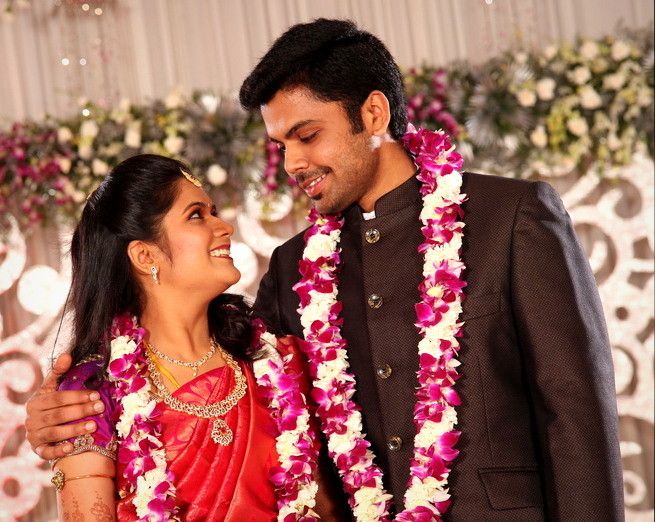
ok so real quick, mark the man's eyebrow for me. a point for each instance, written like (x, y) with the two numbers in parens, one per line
(294, 129)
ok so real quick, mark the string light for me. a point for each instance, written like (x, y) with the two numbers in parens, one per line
(65, 61)
(85, 7)
(86, 112)
(98, 11)
(82, 61)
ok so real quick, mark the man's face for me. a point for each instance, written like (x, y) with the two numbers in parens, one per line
(332, 165)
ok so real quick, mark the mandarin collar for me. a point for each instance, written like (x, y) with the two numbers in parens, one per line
(404, 195)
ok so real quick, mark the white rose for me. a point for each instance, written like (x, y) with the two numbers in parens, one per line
(620, 50)
(579, 75)
(174, 144)
(99, 167)
(578, 126)
(64, 164)
(133, 135)
(613, 82)
(64, 135)
(89, 129)
(85, 151)
(539, 137)
(216, 175)
(613, 141)
(124, 105)
(319, 245)
(589, 98)
(526, 97)
(644, 97)
(545, 88)
(174, 99)
(550, 52)
(589, 50)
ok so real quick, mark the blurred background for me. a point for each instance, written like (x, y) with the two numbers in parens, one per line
(557, 90)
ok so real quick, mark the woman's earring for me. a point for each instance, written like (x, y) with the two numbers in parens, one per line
(154, 271)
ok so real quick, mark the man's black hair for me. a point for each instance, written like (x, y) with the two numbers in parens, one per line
(336, 61)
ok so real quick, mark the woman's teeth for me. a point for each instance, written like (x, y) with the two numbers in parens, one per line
(220, 252)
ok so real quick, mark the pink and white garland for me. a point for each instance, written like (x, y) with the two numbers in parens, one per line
(138, 427)
(293, 479)
(427, 496)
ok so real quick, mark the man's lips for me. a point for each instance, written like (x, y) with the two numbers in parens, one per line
(220, 251)
(314, 186)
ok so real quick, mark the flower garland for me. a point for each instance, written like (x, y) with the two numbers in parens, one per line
(146, 470)
(427, 497)
(293, 478)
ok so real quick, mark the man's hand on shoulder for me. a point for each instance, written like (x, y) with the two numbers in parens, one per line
(48, 411)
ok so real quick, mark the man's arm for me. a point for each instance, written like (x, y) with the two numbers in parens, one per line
(564, 342)
(48, 410)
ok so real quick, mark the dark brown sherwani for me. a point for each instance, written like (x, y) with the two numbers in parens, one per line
(538, 419)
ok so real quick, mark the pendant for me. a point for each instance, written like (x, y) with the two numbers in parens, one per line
(195, 371)
(221, 432)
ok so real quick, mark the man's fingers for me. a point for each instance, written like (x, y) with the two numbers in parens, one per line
(57, 434)
(57, 399)
(59, 368)
(54, 452)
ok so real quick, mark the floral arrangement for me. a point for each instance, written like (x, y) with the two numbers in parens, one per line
(522, 114)
(435, 417)
(148, 477)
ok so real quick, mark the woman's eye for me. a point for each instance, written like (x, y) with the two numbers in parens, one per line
(196, 214)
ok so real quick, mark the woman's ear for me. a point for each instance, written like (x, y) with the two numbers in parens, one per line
(142, 256)
(376, 113)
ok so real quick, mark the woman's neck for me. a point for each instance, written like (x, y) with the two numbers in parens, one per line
(181, 332)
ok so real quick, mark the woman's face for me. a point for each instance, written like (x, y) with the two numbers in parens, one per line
(196, 245)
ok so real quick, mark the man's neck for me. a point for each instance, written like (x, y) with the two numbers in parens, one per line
(394, 169)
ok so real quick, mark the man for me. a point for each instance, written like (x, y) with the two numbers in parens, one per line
(537, 415)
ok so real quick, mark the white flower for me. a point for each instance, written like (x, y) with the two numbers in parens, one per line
(313, 312)
(550, 52)
(545, 88)
(369, 503)
(578, 126)
(99, 167)
(613, 141)
(216, 175)
(449, 186)
(228, 213)
(64, 164)
(85, 151)
(319, 245)
(613, 82)
(133, 135)
(331, 370)
(89, 129)
(124, 105)
(174, 144)
(539, 137)
(620, 50)
(589, 98)
(64, 135)
(121, 346)
(174, 99)
(644, 97)
(78, 196)
(422, 493)
(341, 442)
(589, 50)
(579, 75)
(526, 97)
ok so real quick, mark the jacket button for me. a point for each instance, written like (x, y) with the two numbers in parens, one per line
(394, 443)
(383, 371)
(374, 301)
(372, 235)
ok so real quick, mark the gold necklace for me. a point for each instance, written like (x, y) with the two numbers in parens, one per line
(193, 365)
(221, 432)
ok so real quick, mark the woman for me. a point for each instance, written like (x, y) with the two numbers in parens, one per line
(184, 431)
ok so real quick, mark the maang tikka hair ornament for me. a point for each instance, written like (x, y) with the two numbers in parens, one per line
(192, 179)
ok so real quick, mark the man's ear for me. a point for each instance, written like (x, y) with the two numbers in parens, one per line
(376, 113)
(142, 255)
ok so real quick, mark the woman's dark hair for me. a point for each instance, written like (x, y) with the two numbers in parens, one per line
(130, 205)
(337, 62)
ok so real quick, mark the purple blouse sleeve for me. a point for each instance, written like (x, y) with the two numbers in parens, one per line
(103, 440)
